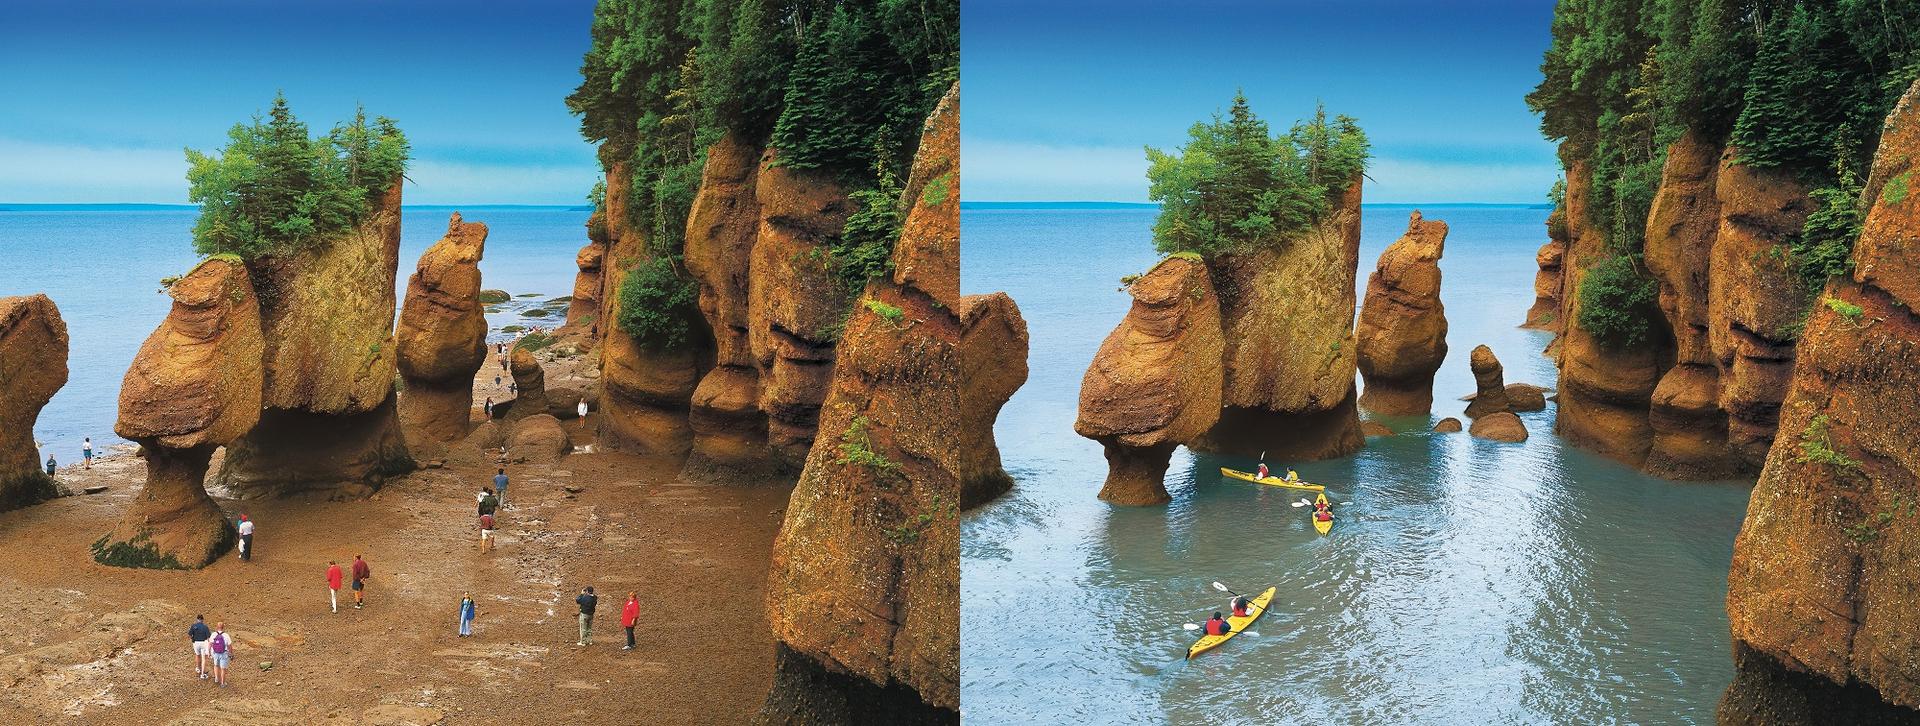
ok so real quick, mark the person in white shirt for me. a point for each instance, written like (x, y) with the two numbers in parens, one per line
(86, 450)
(246, 538)
(583, 408)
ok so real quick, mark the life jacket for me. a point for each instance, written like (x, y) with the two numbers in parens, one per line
(1219, 627)
(1239, 612)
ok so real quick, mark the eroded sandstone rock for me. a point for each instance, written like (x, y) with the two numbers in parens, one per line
(442, 338)
(33, 367)
(1822, 581)
(1448, 425)
(1156, 381)
(865, 571)
(1402, 335)
(797, 304)
(1488, 377)
(195, 385)
(645, 391)
(1499, 426)
(993, 360)
(530, 385)
(729, 429)
(583, 311)
(538, 439)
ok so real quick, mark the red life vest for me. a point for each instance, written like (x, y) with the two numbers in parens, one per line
(1218, 627)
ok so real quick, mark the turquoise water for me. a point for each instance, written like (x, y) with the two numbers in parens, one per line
(1467, 581)
(102, 267)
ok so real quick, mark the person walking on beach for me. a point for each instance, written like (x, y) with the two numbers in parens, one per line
(50, 465)
(583, 408)
(467, 611)
(488, 408)
(360, 574)
(333, 585)
(587, 602)
(500, 480)
(630, 616)
(488, 503)
(86, 451)
(198, 632)
(221, 646)
(486, 530)
(246, 538)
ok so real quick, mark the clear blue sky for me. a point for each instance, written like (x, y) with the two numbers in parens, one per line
(1060, 96)
(97, 98)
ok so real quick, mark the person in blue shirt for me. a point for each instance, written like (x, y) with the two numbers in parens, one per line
(199, 633)
(466, 615)
(500, 486)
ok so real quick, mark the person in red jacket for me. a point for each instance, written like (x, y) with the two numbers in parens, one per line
(360, 574)
(333, 585)
(630, 616)
(1217, 625)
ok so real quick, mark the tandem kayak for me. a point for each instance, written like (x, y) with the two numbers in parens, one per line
(1323, 526)
(1255, 608)
(1272, 481)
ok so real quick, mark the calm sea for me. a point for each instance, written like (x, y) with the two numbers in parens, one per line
(102, 266)
(1467, 581)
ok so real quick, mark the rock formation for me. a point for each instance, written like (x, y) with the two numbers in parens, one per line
(538, 439)
(1375, 428)
(1545, 313)
(33, 366)
(1402, 336)
(1499, 426)
(1288, 330)
(442, 339)
(645, 391)
(1448, 425)
(530, 386)
(797, 309)
(729, 427)
(1526, 397)
(583, 311)
(195, 385)
(993, 365)
(326, 315)
(1488, 376)
(1156, 381)
(1821, 593)
(865, 576)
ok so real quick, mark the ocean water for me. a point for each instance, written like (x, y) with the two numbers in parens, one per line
(102, 266)
(1464, 581)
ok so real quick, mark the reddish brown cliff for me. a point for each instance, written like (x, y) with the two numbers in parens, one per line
(729, 428)
(1402, 335)
(645, 390)
(33, 367)
(583, 311)
(993, 365)
(797, 305)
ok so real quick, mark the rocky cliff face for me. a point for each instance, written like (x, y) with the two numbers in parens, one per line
(1287, 316)
(1156, 381)
(993, 366)
(796, 304)
(865, 571)
(729, 427)
(1822, 593)
(1548, 282)
(33, 367)
(645, 392)
(327, 317)
(583, 311)
(1402, 336)
(442, 339)
(1689, 426)
(195, 385)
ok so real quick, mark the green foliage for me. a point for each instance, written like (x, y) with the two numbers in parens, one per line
(890, 313)
(1853, 313)
(1824, 247)
(140, 552)
(534, 342)
(274, 190)
(937, 190)
(1895, 190)
(1616, 302)
(856, 448)
(865, 247)
(656, 302)
(1236, 187)
(1816, 446)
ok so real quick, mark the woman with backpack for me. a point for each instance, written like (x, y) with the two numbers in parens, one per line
(221, 645)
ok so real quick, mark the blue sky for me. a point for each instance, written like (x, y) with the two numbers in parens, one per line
(98, 98)
(1060, 96)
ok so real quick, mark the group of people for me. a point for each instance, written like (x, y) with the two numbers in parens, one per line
(588, 602)
(86, 456)
(1241, 608)
(360, 570)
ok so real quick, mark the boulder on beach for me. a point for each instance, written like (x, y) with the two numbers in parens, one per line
(1448, 425)
(538, 439)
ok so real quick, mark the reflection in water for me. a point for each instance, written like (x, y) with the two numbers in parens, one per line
(1466, 581)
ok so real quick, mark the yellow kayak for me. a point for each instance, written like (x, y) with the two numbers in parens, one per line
(1272, 481)
(1322, 527)
(1255, 608)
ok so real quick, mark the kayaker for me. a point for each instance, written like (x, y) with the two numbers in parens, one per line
(1263, 471)
(1322, 511)
(1293, 475)
(1217, 625)
(1240, 606)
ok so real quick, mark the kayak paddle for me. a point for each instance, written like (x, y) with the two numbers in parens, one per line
(1191, 626)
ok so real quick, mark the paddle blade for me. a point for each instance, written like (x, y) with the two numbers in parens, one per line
(1297, 505)
(1190, 626)
(1220, 587)
(1250, 633)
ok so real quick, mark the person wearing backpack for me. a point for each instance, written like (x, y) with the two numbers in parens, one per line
(360, 574)
(587, 602)
(467, 611)
(221, 646)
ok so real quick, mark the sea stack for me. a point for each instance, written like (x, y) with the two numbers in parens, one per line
(729, 427)
(442, 339)
(993, 359)
(583, 311)
(645, 389)
(1156, 381)
(1489, 377)
(866, 569)
(529, 383)
(1820, 596)
(195, 385)
(1402, 336)
(33, 367)
(326, 316)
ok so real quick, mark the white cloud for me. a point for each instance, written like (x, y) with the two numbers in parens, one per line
(1015, 171)
(34, 172)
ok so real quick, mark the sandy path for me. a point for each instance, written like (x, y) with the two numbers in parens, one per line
(97, 644)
